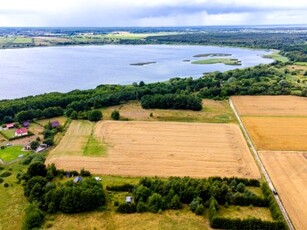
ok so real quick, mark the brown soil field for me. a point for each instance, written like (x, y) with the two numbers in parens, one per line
(277, 133)
(159, 149)
(212, 112)
(288, 170)
(270, 105)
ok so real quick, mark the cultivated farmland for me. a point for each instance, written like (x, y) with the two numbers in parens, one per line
(158, 148)
(270, 105)
(279, 123)
(288, 171)
(277, 133)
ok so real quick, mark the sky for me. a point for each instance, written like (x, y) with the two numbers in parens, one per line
(109, 13)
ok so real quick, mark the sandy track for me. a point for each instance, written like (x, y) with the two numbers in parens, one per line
(288, 170)
(270, 105)
(164, 149)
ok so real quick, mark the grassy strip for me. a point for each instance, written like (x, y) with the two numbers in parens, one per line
(226, 61)
(277, 57)
(94, 147)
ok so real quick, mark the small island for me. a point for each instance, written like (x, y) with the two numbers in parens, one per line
(143, 63)
(226, 61)
(212, 55)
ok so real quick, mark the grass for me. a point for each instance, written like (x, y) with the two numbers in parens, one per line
(11, 153)
(301, 63)
(9, 133)
(13, 202)
(245, 212)
(177, 220)
(226, 61)
(277, 57)
(212, 112)
(61, 119)
(94, 147)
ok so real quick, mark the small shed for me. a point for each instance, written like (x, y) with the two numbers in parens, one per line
(10, 125)
(78, 179)
(55, 124)
(128, 199)
(26, 124)
(97, 178)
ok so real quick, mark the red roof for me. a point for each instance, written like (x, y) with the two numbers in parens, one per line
(21, 131)
(10, 125)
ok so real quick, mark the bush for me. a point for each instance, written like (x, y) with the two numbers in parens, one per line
(5, 174)
(175, 202)
(121, 188)
(34, 145)
(84, 172)
(34, 217)
(141, 207)
(115, 115)
(6, 185)
(200, 209)
(195, 203)
(155, 203)
(126, 208)
(94, 115)
(1, 180)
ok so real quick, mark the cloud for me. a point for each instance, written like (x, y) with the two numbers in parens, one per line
(151, 13)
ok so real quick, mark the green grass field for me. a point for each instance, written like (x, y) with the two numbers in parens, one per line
(245, 212)
(9, 133)
(11, 153)
(13, 202)
(226, 61)
(277, 57)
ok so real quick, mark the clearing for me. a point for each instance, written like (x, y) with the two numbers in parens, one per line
(212, 112)
(157, 149)
(11, 152)
(288, 170)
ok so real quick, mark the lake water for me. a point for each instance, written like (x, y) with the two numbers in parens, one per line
(32, 71)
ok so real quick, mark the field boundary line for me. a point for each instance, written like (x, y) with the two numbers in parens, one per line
(263, 170)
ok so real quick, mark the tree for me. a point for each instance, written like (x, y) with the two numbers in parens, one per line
(155, 203)
(34, 145)
(240, 187)
(37, 169)
(115, 115)
(175, 202)
(94, 115)
(74, 115)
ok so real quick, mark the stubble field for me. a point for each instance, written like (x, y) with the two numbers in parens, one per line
(158, 149)
(288, 170)
(277, 126)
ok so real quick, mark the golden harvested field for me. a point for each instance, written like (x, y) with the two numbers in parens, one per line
(212, 112)
(158, 149)
(270, 105)
(277, 133)
(288, 170)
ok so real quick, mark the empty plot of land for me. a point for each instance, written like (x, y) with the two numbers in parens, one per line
(277, 133)
(270, 105)
(161, 149)
(288, 170)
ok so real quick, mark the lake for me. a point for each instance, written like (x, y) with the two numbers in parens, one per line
(32, 71)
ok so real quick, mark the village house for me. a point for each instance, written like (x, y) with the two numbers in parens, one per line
(26, 124)
(55, 124)
(21, 132)
(10, 125)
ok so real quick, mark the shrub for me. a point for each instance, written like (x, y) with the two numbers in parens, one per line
(121, 188)
(6, 185)
(1, 180)
(195, 203)
(200, 209)
(94, 115)
(5, 174)
(115, 115)
(126, 208)
(155, 203)
(141, 207)
(84, 172)
(34, 217)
